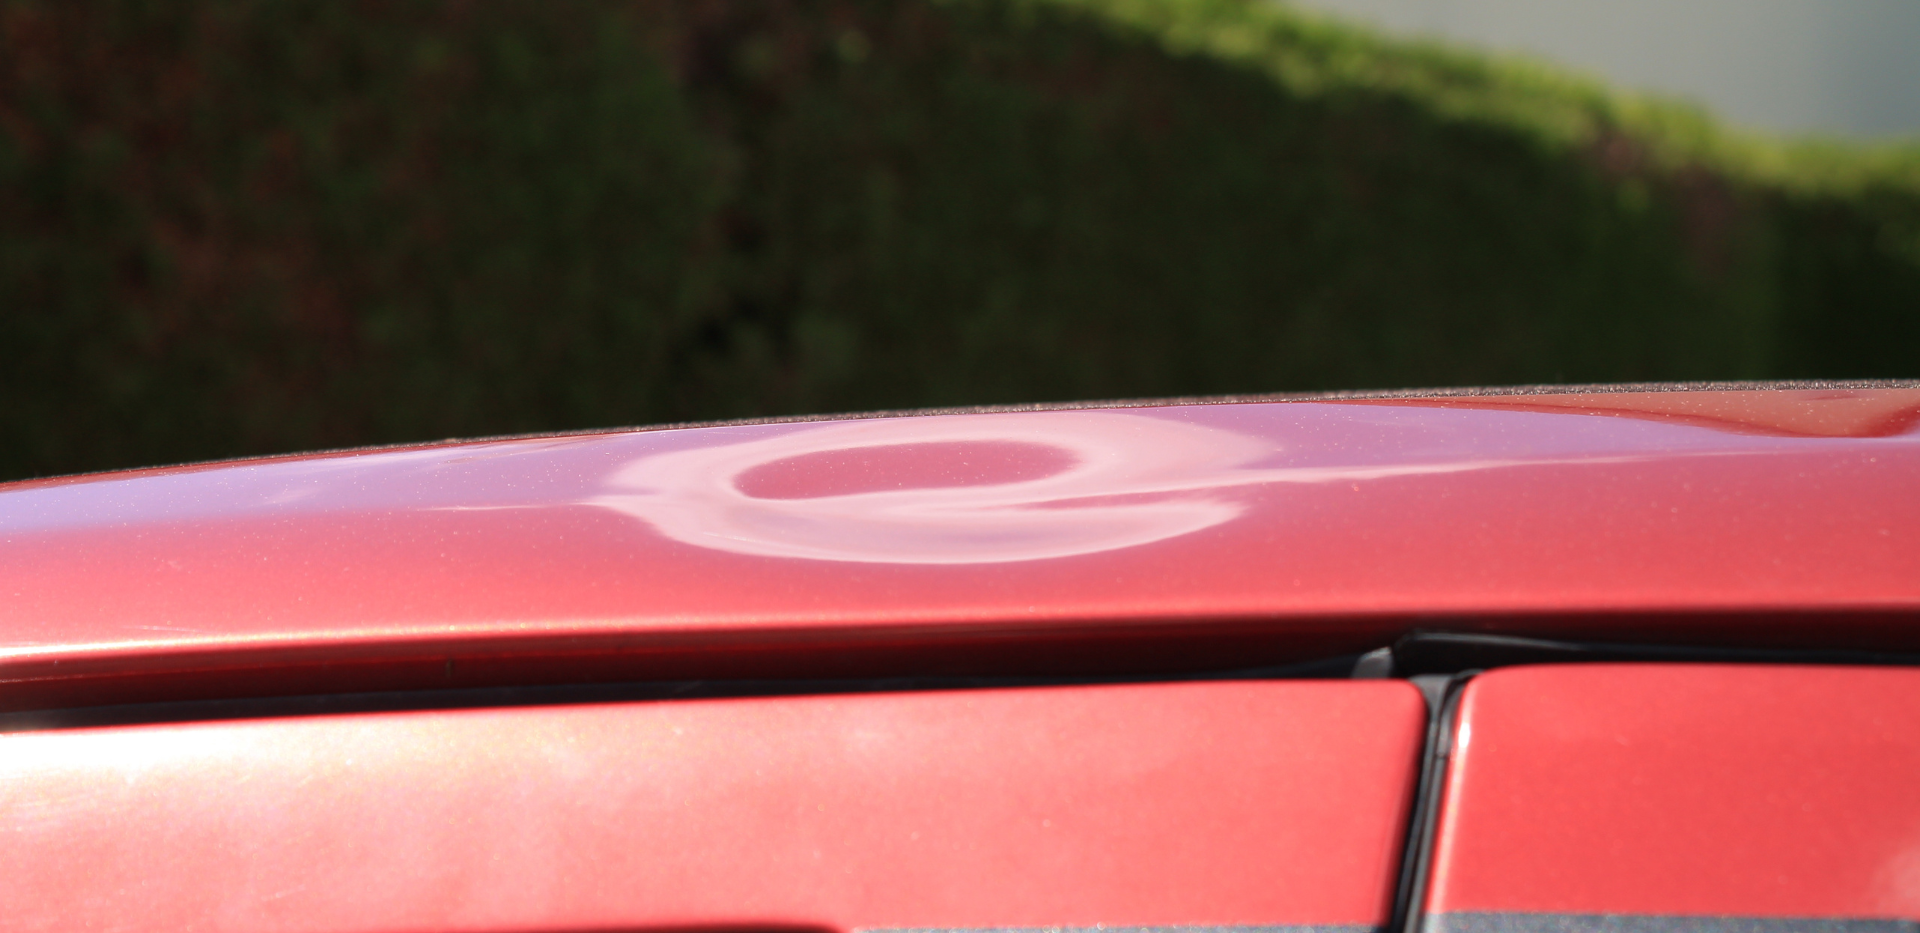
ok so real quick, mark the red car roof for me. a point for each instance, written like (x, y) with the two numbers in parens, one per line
(1199, 534)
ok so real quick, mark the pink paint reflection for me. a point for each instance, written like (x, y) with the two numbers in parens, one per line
(963, 489)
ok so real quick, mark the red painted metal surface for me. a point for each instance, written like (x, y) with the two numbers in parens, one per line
(1684, 790)
(1105, 539)
(1233, 803)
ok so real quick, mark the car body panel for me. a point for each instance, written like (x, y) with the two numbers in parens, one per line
(1257, 532)
(1226, 803)
(1681, 790)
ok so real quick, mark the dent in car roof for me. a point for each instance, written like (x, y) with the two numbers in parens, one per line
(1773, 516)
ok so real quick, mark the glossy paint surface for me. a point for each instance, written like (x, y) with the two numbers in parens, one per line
(1221, 803)
(1287, 529)
(1691, 790)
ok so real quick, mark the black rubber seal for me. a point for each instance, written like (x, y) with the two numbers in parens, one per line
(1448, 652)
(1442, 692)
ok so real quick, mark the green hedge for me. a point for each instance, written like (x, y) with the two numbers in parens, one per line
(243, 227)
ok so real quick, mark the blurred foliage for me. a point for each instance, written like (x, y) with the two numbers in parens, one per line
(232, 227)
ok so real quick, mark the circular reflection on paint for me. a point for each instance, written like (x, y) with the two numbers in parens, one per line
(956, 489)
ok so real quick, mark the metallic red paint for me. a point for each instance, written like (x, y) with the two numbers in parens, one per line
(1199, 535)
(1684, 790)
(1236, 803)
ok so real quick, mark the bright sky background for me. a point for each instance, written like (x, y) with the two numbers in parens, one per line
(1846, 68)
